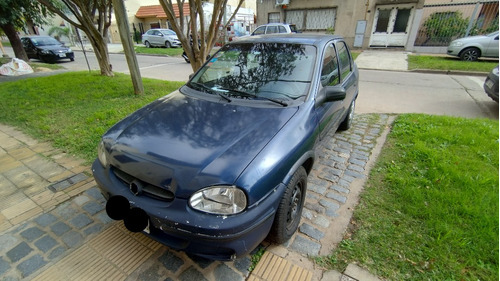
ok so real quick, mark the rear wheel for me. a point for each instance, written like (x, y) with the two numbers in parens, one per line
(287, 218)
(148, 45)
(470, 54)
(347, 122)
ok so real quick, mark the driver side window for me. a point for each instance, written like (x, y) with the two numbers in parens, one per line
(330, 69)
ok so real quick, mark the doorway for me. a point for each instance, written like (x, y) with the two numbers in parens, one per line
(391, 26)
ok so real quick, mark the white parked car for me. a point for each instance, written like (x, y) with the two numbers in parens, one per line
(275, 28)
(472, 47)
(160, 38)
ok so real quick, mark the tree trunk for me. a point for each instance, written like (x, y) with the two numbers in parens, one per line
(15, 41)
(102, 56)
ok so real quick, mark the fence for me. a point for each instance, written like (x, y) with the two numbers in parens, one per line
(443, 23)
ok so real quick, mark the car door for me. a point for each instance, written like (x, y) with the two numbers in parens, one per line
(157, 38)
(329, 113)
(492, 50)
(347, 72)
(29, 48)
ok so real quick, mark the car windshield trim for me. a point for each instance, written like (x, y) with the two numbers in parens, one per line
(209, 89)
(243, 93)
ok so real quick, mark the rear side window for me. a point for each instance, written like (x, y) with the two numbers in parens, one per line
(330, 69)
(344, 59)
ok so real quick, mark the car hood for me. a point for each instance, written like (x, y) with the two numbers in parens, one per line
(188, 143)
(472, 38)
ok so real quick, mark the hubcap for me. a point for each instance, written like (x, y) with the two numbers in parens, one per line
(470, 55)
(295, 203)
(351, 113)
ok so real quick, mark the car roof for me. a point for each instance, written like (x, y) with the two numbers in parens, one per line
(294, 38)
(37, 36)
(276, 23)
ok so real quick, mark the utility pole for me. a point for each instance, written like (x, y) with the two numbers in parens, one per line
(128, 46)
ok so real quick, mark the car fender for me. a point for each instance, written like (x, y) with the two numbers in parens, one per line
(307, 160)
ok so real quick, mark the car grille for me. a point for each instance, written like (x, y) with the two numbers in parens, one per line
(150, 190)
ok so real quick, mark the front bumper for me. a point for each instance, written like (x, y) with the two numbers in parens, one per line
(180, 227)
(57, 56)
(453, 51)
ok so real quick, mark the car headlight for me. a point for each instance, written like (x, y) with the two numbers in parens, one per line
(102, 154)
(46, 52)
(69, 50)
(220, 200)
(456, 44)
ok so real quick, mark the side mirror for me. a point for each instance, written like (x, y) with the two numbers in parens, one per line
(331, 94)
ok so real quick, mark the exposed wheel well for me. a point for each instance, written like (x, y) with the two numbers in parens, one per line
(308, 164)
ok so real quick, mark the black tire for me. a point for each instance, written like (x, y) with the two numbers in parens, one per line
(289, 213)
(347, 122)
(148, 45)
(72, 59)
(470, 54)
(167, 44)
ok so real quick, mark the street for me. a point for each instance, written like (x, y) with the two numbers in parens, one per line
(380, 91)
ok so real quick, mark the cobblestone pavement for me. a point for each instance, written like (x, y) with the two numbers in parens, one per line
(53, 225)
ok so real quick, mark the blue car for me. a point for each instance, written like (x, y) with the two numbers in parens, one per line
(217, 166)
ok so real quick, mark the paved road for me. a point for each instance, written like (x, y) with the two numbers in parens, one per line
(381, 91)
(409, 92)
(158, 67)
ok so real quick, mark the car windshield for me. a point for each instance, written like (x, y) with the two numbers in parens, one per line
(293, 28)
(493, 34)
(45, 41)
(258, 70)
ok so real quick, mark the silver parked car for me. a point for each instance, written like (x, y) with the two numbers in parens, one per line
(271, 28)
(161, 38)
(472, 47)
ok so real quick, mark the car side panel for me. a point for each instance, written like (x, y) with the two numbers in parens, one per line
(492, 50)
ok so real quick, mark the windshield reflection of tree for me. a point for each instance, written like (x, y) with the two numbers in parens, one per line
(265, 69)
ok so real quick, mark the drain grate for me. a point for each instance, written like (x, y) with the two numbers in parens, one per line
(65, 183)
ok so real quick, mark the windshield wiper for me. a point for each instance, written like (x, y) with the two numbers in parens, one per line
(211, 90)
(245, 94)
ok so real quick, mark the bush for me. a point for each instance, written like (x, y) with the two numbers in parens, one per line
(443, 27)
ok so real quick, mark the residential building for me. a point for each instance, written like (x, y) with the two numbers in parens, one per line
(374, 24)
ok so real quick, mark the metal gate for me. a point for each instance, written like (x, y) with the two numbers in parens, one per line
(443, 23)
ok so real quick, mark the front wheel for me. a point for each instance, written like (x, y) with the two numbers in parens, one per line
(287, 218)
(167, 44)
(470, 54)
(347, 122)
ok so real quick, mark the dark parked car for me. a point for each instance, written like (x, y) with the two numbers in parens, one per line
(46, 49)
(491, 84)
(215, 167)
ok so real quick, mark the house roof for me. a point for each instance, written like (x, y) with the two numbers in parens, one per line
(153, 11)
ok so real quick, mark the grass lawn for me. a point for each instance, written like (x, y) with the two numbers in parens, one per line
(173, 52)
(449, 63)
(72, 110)
(430, 208)
(37, 66)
